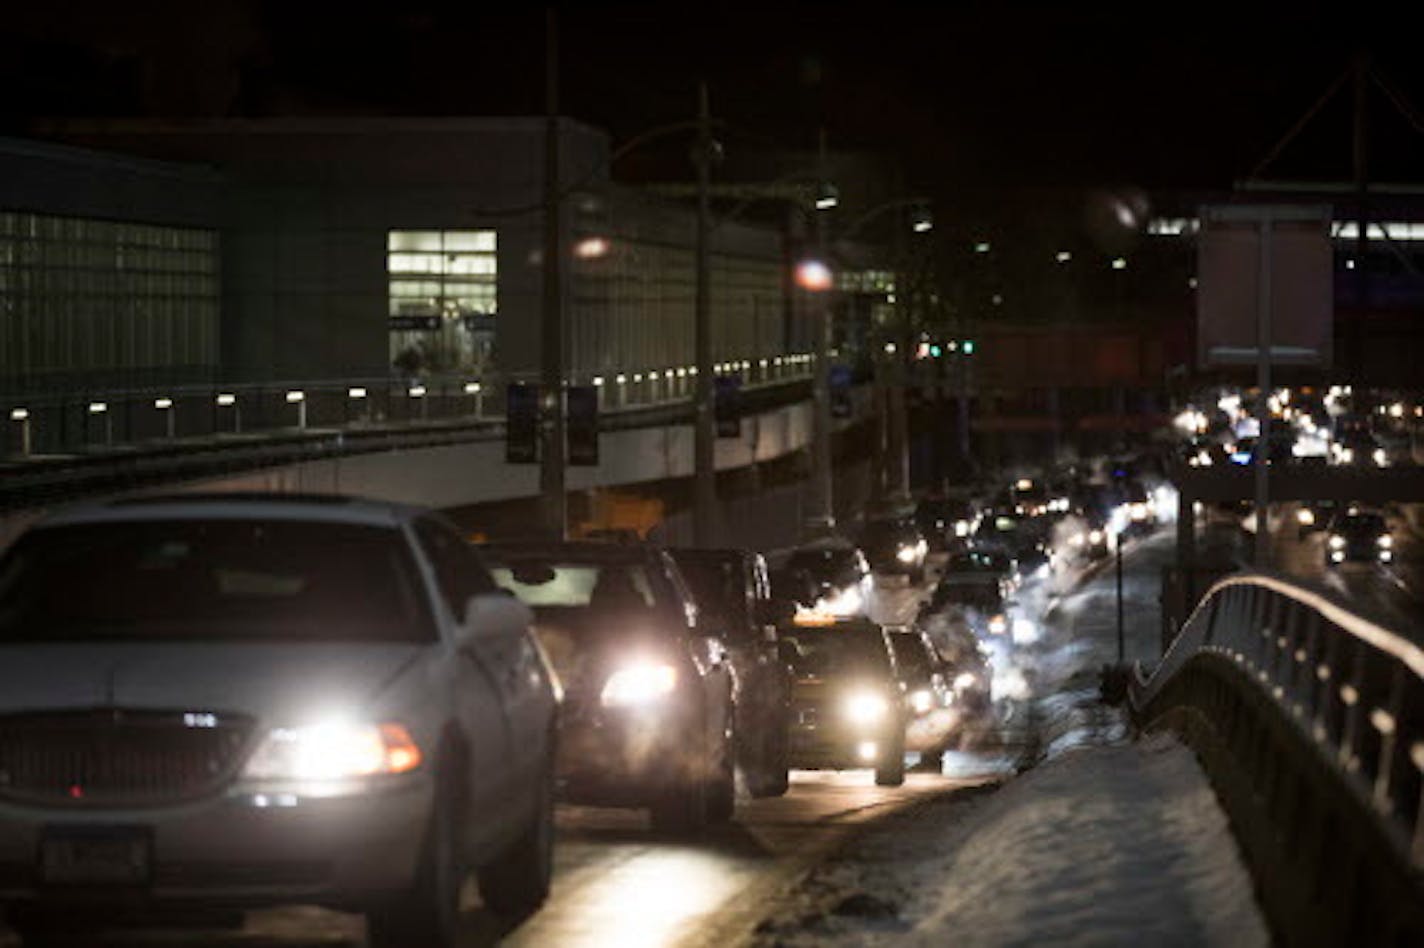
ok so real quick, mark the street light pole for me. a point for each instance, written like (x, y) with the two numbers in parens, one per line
(551, 458)
(704, 509)
(822, 484)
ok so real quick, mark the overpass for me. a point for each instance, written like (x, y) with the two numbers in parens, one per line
(444, 448)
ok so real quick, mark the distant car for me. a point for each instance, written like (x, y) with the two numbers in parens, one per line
(1315, 515)
(847, 708)
(1359, 535)
(238, 700)
(929, 695)
(945, 522)
(979, 562)
(839, 572)
(978, 597)
(967, 666)
(647, 717)
(895, 546)
(734, 594)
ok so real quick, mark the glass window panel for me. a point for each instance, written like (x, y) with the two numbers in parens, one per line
(470, 240)
(406, 240)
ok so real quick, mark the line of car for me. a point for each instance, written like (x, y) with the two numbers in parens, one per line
(217, 702)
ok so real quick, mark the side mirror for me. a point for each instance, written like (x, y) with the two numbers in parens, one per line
(493, 613)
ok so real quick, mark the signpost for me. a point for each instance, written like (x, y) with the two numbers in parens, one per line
(582, 401)
(1265, 297)
(521, 429)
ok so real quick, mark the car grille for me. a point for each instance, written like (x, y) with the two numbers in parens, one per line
(114, 757)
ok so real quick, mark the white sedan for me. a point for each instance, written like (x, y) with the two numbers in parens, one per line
(240, 700)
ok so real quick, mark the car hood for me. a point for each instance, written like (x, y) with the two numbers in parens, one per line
(280, 683)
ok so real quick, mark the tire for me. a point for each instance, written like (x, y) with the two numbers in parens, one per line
(933, 760)
(516, 883)
(429, 913)
(890, 772)
(774, 777)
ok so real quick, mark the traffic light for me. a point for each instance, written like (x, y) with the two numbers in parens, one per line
(521, 438)
(582, 429)
(935, 351)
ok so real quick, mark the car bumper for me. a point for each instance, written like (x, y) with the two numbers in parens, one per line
(243, 849)
(625, 759)
(836, 748)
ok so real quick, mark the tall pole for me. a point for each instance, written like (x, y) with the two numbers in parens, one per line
(1362, 211)
(823, 501)
(897, 482)
(551, 467)
(1263, 406)
(704, 510)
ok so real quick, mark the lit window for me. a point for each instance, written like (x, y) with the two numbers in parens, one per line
(443, 299)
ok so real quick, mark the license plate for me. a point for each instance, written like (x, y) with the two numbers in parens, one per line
(102, 857)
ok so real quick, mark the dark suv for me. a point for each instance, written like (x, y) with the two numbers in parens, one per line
(734, 595)
(895, 545)
(646, 719)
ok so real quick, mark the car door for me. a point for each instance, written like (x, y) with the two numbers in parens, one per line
(482, 677)
(708, 652)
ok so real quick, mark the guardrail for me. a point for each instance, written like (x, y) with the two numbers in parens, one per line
(1310, 721)
(88, 420)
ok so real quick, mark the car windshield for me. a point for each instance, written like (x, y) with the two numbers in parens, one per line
(1362, 524)
(974, 561)
(716, 585)
(911, 656)
(601, 587)
(192, 580)
(833, 652)
(985, 596)
(821, 562)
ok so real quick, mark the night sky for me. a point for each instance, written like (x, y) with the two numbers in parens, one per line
(973, 98)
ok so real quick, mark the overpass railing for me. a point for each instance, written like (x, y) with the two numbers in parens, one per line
(77, 421)
(1310, 721)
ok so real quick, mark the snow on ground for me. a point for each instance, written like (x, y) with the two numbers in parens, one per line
(1102, 845)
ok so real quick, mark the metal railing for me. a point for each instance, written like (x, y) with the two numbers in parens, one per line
(87, 421)
(1310, 721)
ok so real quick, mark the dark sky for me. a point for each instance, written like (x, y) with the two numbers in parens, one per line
(972, 97)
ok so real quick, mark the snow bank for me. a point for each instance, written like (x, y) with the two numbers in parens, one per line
(1103, 845)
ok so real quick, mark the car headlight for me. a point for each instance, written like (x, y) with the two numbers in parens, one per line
(1385, 541)
(921, 701)
(1379, 457)
(1095, 537)
(961, 528)
(1337, 542)
(1137, 511)
(1347, 455)
(844, 602)
(334, 750)
(906, 554)
(998, 625)
(1077, 539)
(964, 680)
(1305, 516)
(638, 684)
(865, 707)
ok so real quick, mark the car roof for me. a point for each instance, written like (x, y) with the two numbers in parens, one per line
(239, 505)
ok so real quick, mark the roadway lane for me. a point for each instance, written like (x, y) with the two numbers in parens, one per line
(1393, 591)
(618, 883)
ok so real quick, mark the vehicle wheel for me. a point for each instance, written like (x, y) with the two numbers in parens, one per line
(773, 779)
(429, 913)
(933, 760)
(722, 785)
(517, 881)
(891, 770)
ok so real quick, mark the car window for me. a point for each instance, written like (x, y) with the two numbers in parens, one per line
(834, 652)
(910, 655)
(718, 586)
(192, 580)
(458, 570)
(541, 582)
